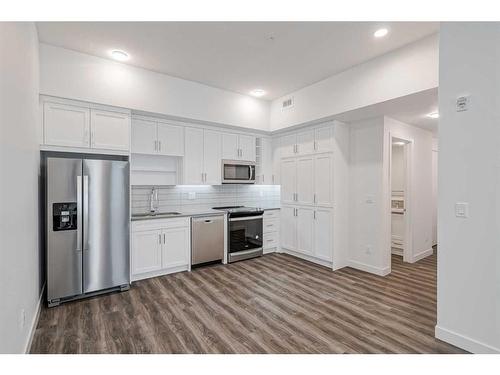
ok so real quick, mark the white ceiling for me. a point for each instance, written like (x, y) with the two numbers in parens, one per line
(279, 57)
(411, 109)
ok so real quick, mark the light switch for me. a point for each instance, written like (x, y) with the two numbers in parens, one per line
(462, 209)
(463, 103)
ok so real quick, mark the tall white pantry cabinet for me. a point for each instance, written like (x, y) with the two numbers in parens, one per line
(307, 193)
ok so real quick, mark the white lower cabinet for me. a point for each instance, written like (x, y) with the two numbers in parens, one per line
(307, 231)
(160, 247)
(271, 231)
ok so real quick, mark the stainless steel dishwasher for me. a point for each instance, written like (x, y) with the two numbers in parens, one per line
(207, 239)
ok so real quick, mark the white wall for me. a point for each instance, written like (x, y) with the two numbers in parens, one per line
(420, 190)
(434, 189)
(405, 71)
(398, 168)
(366, 196)
(19, 170)
(468, 307)
(75, 75)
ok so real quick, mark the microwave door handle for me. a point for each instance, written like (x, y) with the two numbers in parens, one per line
(251, 172)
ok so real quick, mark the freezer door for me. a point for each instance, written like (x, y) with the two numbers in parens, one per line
(106, 224)
(64, 227)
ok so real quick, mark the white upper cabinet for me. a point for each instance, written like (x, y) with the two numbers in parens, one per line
(247, 147)
(238, 147)
(212, 156)
(66, 125)
(110, 130)
(305, 180)
(230, 148)
(170, 139)
(77, 125)
(193, 159)
(157, 138)
(323, 139)
(323, 234)
(305, 142)
(288, 180)
(266, 162)
(144, 137)
(276, 158)
(288, 145)
(323, 179)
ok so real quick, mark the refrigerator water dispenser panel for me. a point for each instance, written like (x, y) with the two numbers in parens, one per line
(64, 216)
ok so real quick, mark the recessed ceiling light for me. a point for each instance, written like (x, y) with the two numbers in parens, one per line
(119, 55)
(258, 93)
(433, 115)
(380, 33)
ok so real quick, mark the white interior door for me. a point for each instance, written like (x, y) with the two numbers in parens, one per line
(193, 158)
(323, 180)
(305, 180)
(305, 230)
(212, 157)
(144, 140)
(305, 142)
(323, 234)
(66, 125)
(288, 180)
(230, 146)
(110, 130)
(170, 139)
(247, 147)
(175, 248)
(288, 227)
(146, 251)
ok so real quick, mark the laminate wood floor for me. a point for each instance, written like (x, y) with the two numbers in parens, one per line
(273, 304)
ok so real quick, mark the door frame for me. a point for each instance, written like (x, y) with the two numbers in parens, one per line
(408, 232)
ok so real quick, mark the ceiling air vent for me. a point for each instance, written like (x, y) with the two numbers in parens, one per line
(287, 103)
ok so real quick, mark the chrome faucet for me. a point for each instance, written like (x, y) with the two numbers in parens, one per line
(153, 200)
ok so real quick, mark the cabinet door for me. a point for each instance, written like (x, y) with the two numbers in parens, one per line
(305, 142)
(146, 251)
(110, 130)
(193, 158)
(144, 140)
(176, 247)
(305, 230)
(170, 139)
(276, 156)
(305, 180)
(66, 125)
(323, 234)
(323, 139)
(288, 180)
(288, 143)
(212, 157)
(323, 180)
(266, 162)
(247, 147)
(288, 226)
(230, 146)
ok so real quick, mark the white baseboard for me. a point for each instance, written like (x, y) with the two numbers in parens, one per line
(422, 255)
(464, 342)
(311, 259)
(34, 322)
(368, 268)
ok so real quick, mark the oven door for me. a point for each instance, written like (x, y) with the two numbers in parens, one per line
(238, 172)
(245, 237)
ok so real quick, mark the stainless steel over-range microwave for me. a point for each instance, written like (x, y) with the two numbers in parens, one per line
(238, 172)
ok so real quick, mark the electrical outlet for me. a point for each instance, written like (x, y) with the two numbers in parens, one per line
(192, 195)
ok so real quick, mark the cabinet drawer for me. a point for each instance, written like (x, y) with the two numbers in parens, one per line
(271, 214)
(271, 240)
(271, 225)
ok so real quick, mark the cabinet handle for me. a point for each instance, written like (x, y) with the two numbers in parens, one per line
(314, 198)
(315, 146)
(159, 145)
(263, 179)
(166, 242)
(156, 147)
(159, 238)
(314, 215)
(202, 180)
(297, 148)
(273, 179)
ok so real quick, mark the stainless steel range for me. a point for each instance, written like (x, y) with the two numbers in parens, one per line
(244, 231)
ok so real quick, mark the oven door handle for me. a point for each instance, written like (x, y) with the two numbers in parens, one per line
(246, 218)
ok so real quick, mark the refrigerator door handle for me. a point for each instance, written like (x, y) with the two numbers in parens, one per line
(79, 213)
(85, 213)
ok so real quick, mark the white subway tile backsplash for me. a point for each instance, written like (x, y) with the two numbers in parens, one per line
(176, 198)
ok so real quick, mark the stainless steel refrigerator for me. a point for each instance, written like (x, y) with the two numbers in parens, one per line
(87, 227)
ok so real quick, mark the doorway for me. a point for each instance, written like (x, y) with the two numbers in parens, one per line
(400, 203)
